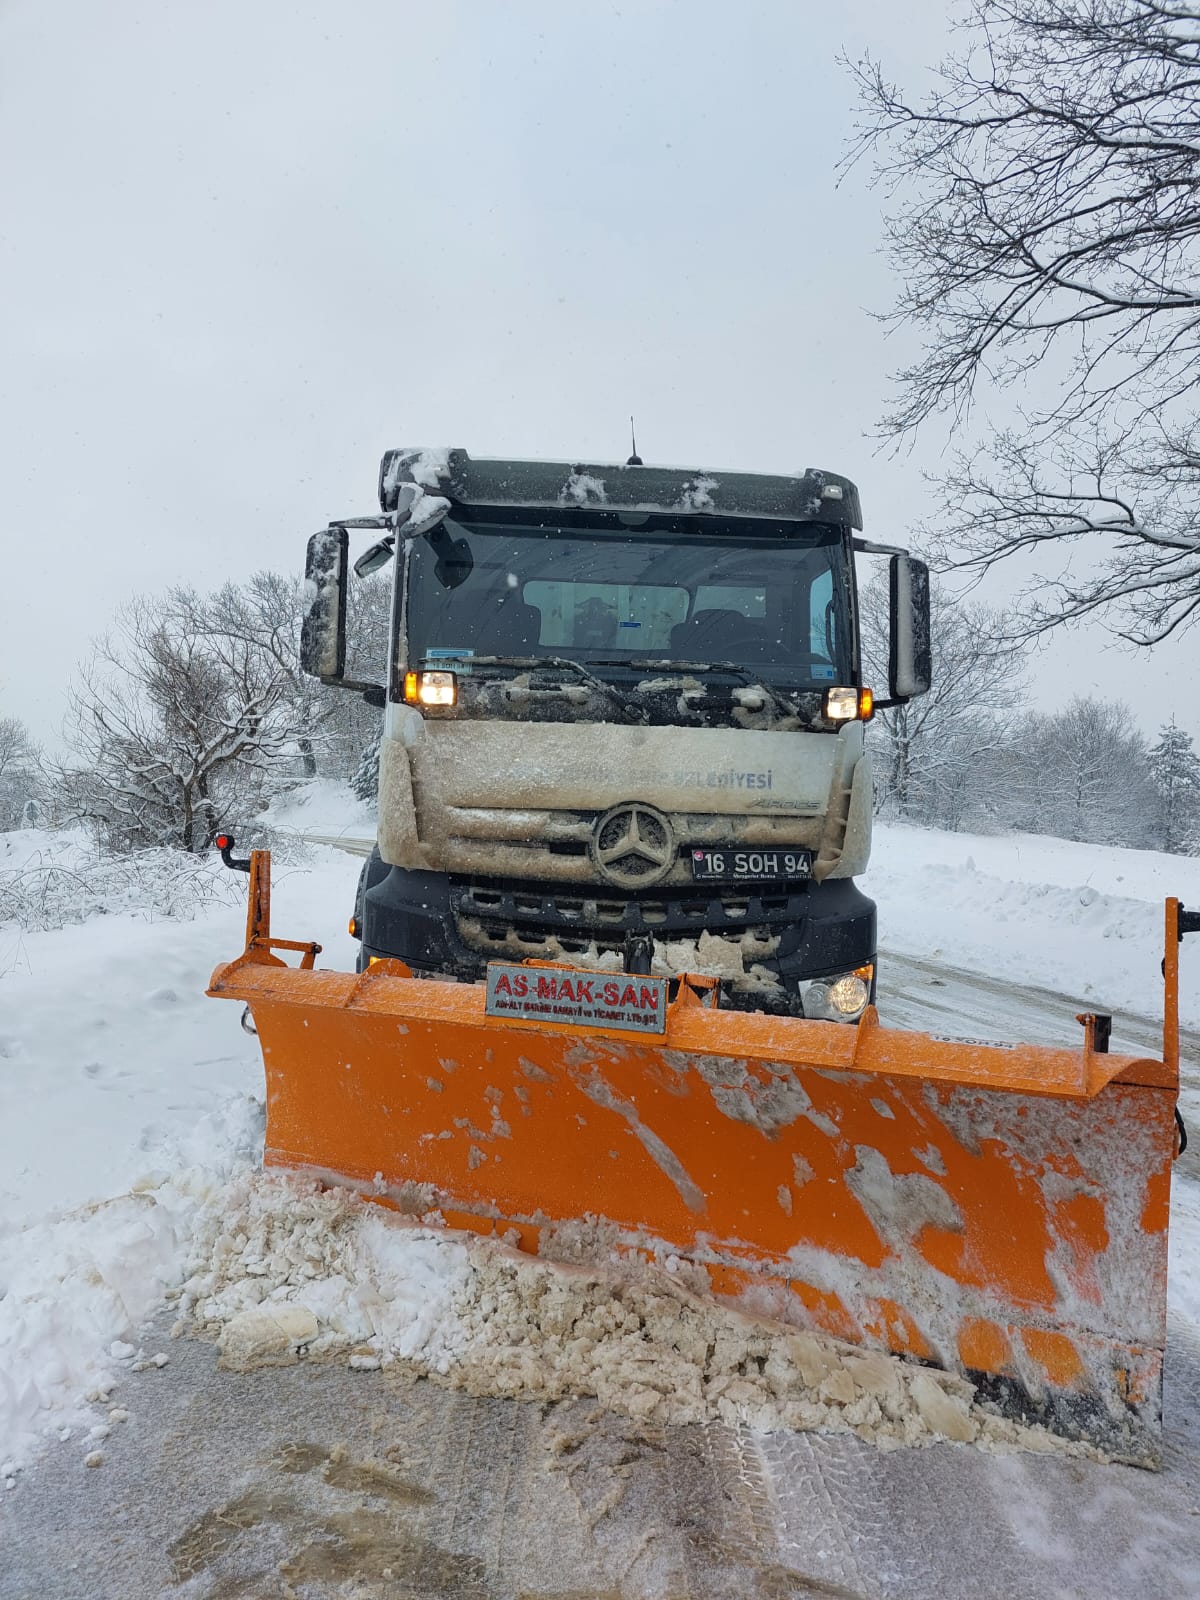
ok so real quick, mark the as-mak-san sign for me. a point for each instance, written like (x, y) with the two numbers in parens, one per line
(557, 994)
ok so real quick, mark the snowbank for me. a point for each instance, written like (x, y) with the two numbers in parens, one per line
(111, 1056)
(1083, 919)
(76, 1289)
(51, 880)
(119, 1078)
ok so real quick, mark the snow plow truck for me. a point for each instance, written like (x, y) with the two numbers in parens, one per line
(617, 980)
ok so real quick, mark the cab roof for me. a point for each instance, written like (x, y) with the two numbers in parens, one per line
(808, 496)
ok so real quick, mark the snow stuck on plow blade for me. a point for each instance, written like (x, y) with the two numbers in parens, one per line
(997, 1211)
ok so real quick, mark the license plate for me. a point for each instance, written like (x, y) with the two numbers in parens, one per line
(580, 999)
(734, 864)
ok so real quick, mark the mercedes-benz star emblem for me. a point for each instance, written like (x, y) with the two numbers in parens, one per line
(633, 846)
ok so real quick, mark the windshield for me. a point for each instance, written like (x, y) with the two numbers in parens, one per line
(768, 598)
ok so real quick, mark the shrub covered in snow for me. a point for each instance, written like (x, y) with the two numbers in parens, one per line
(54, 879)
(50, 880)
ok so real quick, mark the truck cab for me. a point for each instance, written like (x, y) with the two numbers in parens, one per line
(624, 722)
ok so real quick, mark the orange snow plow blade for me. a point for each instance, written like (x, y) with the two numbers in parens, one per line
(999, 1210)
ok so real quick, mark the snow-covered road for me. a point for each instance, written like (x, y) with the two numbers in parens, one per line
(319, 1480)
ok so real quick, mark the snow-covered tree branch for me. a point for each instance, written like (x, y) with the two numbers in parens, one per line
(21, 777)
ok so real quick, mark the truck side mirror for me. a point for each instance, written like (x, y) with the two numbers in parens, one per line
(910, 657)
(323, 632)
(377, 556)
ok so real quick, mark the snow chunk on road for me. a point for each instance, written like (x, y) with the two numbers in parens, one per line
(291, 1269)
(277, 1244)
(265, 1336)
(69, 1287)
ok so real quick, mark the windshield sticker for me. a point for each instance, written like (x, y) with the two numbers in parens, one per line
(628, 624)
(462, 655)
(822, 672)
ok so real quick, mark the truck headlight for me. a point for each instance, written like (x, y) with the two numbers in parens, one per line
(849, 994)
(430, 688)
(838, 999)
(849, 705)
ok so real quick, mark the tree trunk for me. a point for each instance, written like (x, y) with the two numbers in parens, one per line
(189, 821)
(208, 814)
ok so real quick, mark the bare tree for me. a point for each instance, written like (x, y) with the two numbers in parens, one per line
(330, 727)
(935, 754)
(1047, 232)
(172, 727)
(263, 616)
(194, 708)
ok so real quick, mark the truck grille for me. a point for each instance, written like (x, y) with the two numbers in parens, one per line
(551, 847)
(494, 918)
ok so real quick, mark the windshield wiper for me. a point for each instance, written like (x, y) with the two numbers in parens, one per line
(748, 677)
(633, 712)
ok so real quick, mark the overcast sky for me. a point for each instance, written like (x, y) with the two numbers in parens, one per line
(247, 245)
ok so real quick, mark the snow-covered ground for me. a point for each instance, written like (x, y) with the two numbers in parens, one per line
(126, 1097)
(113, 1064)
(130, 1118)
(322, 808)
(1080, 919)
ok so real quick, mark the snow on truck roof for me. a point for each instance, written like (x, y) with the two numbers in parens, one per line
(808, 496)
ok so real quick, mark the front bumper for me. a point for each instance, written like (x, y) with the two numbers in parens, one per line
(769, 940)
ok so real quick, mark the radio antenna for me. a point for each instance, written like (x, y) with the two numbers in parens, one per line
(635, 460)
